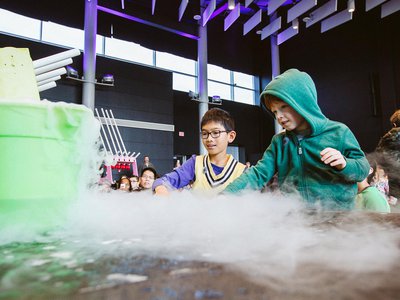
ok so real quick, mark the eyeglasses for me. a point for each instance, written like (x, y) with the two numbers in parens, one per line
(214, 134)
(148, 177)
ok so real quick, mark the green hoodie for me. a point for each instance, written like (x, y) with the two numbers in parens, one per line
(298, 163)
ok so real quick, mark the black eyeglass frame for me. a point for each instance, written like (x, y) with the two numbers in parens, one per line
(214, 134)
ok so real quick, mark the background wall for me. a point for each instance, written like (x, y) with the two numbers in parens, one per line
(145, 94)
(355, 66)
(140, 94)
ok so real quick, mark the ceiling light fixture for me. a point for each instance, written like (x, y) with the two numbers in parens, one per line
(351, 7)
(108, 79)
(295, 23)
(231, 4)
(71, 72)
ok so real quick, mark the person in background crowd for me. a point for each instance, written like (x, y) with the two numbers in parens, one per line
(124, 184)
(146, 164)
(178, 164)
(134, 182)
(369, 197)
(147, 178)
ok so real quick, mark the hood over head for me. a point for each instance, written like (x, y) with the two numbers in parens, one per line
(298, 90)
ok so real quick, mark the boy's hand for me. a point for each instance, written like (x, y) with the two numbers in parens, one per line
(333, 158)
(161, 190)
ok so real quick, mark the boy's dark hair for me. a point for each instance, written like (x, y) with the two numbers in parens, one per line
(220, 116)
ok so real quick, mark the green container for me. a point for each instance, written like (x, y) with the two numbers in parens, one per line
(43, 148)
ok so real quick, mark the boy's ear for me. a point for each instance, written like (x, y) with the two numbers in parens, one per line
(231, 136)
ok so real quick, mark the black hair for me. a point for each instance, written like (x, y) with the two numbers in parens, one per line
(220, 116)
(149, 169)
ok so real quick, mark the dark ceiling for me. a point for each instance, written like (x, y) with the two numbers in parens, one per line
(229, 48)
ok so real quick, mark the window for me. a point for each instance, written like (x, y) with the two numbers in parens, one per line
(67, 36)
(183, 83)
(62, 35)
(229, 85)
(218, 73)
(129, 51)
(244, 95)
(175, 63)
(19, 25)
(243, 80)
(220, 89)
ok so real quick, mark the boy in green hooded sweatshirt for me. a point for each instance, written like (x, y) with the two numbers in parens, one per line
(318, 158)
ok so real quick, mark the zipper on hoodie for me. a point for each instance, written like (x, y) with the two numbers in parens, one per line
(299, 148)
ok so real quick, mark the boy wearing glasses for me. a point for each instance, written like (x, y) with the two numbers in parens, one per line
(318, 158)
(211, 172)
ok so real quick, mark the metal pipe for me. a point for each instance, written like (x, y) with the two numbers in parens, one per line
(109, 131)
(53, 66)
(47, 86)
(275, 61)
(104, 133)
(119, 135)
(50, 74)
(202, 58)
(115, 135)
(89, 55)
(55, 78)
(54, 58)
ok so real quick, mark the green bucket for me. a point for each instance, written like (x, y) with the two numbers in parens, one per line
(43, 148)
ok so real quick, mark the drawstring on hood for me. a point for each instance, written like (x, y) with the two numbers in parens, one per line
(298, 90)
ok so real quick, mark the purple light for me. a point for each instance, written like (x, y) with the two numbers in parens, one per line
(223, 8)
(138, 20)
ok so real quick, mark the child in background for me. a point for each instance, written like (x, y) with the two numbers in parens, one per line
(318, 158)
(369, 197)
(124, 184)
(209, 173)
(380, 180)
(134, 182)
